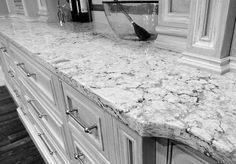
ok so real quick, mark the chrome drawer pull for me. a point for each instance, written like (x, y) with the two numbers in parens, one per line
(27, 73)
(30, 74)
(86, 129)
(89, 129)
(4, 49)
(79, 157)
(36, 110)
(20, 64)
(11, 73)
(45, 143)
(16, 93)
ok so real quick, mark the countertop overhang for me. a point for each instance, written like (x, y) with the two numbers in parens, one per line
(146, 88)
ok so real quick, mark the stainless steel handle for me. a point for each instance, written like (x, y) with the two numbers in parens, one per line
(11, 73)
(30, 74)
(35, 108)
(20, 64)
(27, 73)
(45, 143)
(79, 157)
(16, 92)
(4, 49)
(86, 129)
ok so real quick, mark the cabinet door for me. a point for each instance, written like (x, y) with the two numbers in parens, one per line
(83, 151)
(182, 154)
(172, 152)
(132, 148)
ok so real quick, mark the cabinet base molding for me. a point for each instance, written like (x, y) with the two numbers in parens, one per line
(219, 66)
(168, 42)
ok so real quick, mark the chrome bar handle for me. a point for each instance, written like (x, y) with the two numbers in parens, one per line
(16, 92)
(35, 108)
(20, 64)
(45, 143)
(86, 129)
(11, 73)
(30, 74)
(27, 73)
(4, 49)
(79, 157)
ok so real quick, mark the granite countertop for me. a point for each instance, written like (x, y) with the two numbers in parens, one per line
(144, 87)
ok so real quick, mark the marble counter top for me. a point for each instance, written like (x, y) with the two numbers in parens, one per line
(145, 87)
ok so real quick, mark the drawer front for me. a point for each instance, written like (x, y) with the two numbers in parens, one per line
(53, 125)
(82, 150)
(38, 78)
(86, 116)
(48, 143)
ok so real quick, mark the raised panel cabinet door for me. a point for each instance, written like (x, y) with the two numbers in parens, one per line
(87, 117)
(172, 152)
(83, 151)
(180, 154)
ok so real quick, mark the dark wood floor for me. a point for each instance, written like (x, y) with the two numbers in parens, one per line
(16, 147)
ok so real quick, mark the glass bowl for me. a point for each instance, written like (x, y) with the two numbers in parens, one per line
(143, 16)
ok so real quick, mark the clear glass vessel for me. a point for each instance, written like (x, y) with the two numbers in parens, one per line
(142, 13)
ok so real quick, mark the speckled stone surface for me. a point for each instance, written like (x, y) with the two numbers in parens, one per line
(145, 87)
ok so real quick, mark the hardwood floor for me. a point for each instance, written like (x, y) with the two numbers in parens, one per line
(16, 147)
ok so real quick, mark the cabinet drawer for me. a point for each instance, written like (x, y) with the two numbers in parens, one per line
(83, 151)
(38, 78)
(86, 116)
(47, 142)
(53, 125)
(30, 124)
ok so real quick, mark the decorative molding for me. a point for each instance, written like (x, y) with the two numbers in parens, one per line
(210, 35)
(179, 32)
(169, 18)
(211, 27)
(212, 64)
(205, 26)
(42, 12)
(172, 27)
(168, 42)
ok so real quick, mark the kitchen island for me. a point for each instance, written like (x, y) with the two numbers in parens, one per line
(144, 88)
